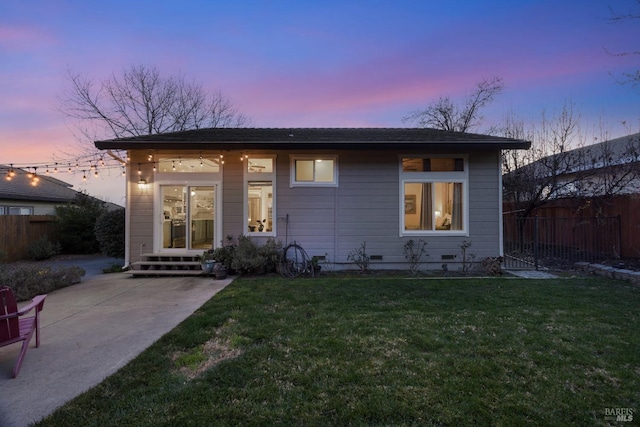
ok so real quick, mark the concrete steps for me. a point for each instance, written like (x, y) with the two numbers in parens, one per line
(153, 264)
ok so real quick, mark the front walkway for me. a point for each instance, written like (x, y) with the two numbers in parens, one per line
(88, 332)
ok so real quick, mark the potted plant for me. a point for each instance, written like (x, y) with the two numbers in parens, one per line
(207, 260)
(315, 265)
(219, 271)
(261, 224)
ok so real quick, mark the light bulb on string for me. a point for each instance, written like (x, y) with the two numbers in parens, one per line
(84, 175)
(35, 178)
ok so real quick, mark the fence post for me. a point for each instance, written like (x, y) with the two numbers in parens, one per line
(535, 241)
(619, 249)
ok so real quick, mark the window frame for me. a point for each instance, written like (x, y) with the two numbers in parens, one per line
(292, 170)
(28, 208)
(259, 177)
(427, 177)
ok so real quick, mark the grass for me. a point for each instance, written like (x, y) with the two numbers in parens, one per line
(380, 351)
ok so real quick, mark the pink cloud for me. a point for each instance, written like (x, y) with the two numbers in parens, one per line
(17, 38)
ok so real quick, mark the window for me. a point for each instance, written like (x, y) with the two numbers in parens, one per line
(259, 201)
(314, 171)
(434, 195)
(20, 210)
(188, 164)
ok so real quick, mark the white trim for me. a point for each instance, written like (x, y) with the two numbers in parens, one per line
(127, 218)
(158, 209)
(257, 177)
(185, 179)
(433, 178)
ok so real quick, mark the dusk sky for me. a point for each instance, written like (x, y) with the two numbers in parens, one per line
(316, 63)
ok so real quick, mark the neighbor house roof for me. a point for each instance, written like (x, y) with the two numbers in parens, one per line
(305, 138)
(48, 189)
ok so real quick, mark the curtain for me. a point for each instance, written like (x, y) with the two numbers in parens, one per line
(456, 211)
(426, 212)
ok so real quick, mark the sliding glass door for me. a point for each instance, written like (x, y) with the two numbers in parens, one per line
(188, 217)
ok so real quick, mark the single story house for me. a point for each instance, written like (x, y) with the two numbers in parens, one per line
(328, 189)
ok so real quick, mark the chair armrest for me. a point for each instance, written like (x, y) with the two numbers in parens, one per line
(8, 316)
(37, 302)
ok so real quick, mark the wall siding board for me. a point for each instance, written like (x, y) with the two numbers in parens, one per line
(365, 206)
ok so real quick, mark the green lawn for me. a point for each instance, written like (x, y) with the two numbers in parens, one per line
(384, 351)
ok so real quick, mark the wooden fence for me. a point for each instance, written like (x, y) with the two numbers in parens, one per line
(20, 231)
(593, 229)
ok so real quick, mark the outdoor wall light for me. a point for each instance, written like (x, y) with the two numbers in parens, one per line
(142, 183)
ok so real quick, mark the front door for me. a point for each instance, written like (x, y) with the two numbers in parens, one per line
(188, 217)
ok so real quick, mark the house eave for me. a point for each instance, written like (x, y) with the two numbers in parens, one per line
(317, 139)
(316, 145)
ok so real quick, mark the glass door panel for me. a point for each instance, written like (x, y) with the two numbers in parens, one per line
(174, 212)
(201, 216)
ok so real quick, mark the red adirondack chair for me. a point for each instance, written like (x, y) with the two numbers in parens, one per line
(14, 327)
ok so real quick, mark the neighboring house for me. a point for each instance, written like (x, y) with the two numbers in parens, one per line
(19, 195)
(604, 169)
(607, 168)
(330, 190)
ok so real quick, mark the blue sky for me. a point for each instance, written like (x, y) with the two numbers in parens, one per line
(318, 63)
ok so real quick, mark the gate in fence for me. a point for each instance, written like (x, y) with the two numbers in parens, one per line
(535, 242)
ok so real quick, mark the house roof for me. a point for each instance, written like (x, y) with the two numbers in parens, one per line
(320, 138)
(49, 189)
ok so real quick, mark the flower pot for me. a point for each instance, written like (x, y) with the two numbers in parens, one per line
(207, 266)
(219, 271)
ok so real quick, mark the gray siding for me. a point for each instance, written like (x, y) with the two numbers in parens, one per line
(333, 221)
(140, 207)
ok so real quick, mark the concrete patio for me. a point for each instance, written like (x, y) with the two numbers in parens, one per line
(88, 332)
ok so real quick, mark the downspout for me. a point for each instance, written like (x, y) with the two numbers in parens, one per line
(500, 213)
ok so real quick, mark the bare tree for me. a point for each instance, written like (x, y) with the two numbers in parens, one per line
(630, 78)
(560, 164)
(444, 114)
(142, 102)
